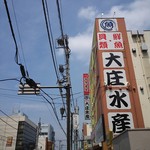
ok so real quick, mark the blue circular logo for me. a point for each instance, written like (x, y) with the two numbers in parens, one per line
(107, 24)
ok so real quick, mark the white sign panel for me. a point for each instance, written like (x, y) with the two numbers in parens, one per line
(113, 59)
(120, 121)
(118, 99)
(115, 77)
(75, 121)
(108, 25)
(110, 41)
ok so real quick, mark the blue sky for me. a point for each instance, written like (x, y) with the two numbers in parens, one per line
(78, 23)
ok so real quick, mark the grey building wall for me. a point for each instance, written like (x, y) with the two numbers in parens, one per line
(135, 139)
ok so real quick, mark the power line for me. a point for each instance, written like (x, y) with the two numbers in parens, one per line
(8, 124)
(23, 72)
(8, 89)
(54, 110)
(9, 116)
(50, 42)
(64, 40)
(53, 107)
(9, 79)
(12, 31)
(60, 20)
(50, 39)
(48, 27)
(19, 33)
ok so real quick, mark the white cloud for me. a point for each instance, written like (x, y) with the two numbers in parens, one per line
(80, 45)
(135, 14)
(33, 106)
(88, 13)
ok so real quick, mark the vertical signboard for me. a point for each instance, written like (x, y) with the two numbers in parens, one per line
(86, 96)
(75, 121)
(86, 84)
(118, 111)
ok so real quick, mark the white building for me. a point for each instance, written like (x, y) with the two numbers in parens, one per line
(46, 137)
(17, 132)
(86, 133)
(139, 42)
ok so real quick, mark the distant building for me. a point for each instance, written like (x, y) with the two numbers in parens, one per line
(17, 132)
(86, 133)
(46, 137)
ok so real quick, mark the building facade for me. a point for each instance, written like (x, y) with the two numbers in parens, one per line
(86, 133)
(139, 42)
(46, 138)
(115, 102)
(17, 133)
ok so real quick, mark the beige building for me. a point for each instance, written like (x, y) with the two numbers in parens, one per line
(17, 132)
(139, 42)
(86, 133)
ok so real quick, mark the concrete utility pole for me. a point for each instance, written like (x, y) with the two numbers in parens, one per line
(63, 41)
(67, 53)
(38, 133)
(76, 127)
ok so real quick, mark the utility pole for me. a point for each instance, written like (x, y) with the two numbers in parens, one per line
(38, 132)
(67, 53)
(68, 116)
(59, 144)
(76, 127)
(63, 41)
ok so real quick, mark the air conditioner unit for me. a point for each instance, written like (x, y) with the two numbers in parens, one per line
(133, 50)
(144, 47)
(140, 32)
(134, 32)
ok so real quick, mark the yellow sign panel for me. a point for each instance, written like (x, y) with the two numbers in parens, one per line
(9, 141)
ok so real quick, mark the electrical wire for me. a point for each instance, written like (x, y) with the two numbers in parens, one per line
(8, 124)
(19, 34)
(72, 98)
(53, 107)
(9, 79)
(25, 97)
(16, 54)
(8, 116)
(55, 112)
(23, 72)
(50, 39)
(12, 31)
(59, 17)
(48, 27)
(8, 89)
(50, 30)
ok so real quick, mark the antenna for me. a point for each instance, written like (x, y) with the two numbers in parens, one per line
(114, 14)
(16, 109)
(102, 14)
